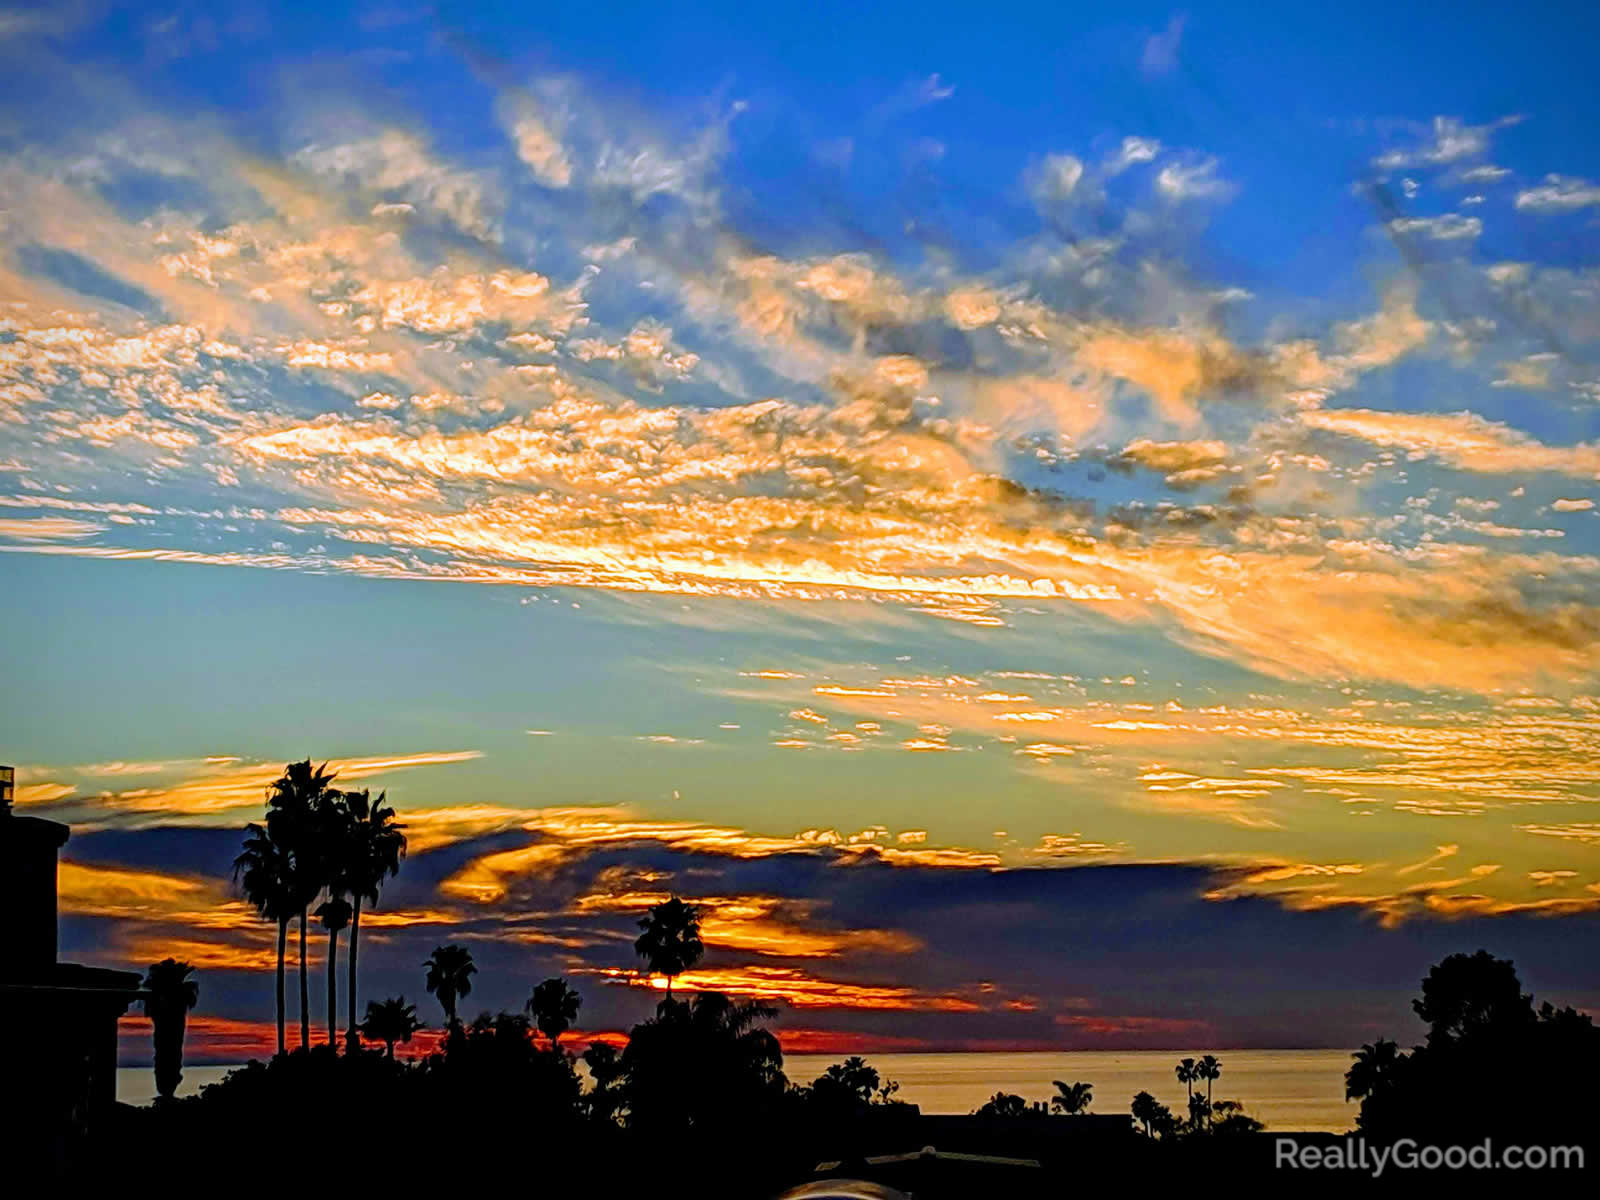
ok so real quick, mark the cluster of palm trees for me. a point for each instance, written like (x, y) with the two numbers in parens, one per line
(1157, 1118)
(319, 842)
(1071, 1099)
(1190, 1072)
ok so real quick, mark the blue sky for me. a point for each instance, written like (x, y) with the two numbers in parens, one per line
(687, 449)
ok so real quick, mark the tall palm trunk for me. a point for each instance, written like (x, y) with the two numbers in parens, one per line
(352, 1040)
(283, 938)
(305, 1004)
(333, 986)
(452, 1027)
(169, 1024)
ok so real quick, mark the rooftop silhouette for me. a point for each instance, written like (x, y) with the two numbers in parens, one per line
(61, 1055)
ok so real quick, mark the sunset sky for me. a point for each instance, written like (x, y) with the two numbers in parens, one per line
(1058, 531)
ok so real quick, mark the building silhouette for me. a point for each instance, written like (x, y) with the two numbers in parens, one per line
(60, 1019)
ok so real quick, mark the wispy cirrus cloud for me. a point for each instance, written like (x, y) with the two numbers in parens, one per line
(1462, 439)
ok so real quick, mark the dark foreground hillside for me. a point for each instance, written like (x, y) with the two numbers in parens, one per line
(319, 1121)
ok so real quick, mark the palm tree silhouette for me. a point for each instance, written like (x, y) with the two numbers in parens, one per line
(554, 1007)
(169, 995)
(296, 821)
(1071, 1098)
(1187, 1072)
(1152, 1114)
(736, 1025)
(264, 873)
(605, 1069)
(706, 1062)
(670, 943)
(1209, 1068)
(1143, 1109)
(390, 1021)
(450, 972)
(334, 915)
(371, 850)
(1375, 1064)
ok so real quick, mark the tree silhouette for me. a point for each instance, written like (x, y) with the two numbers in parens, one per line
(169, 995)
(1143, 1109)
(670, 943)
(390, 1021)
(1072, 1098)
(1004, 1104)
(554, 1007)
(1374, 1068)
(1472, 995)
(1234, 1119)
(370, 851)
(1153, 1115)
(450, 972)
(1208, 1068)
(707, 1064)
(296, 821)
(848, 1084)
(1491, 1065)
(1187, 1072)
(606, 1070)
(334, 915)
(264, 873)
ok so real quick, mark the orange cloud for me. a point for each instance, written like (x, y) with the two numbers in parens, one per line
(796, 988)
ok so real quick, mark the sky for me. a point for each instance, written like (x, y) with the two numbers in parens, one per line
(1058, 531)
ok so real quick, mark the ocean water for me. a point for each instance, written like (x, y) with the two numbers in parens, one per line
(1288, 1089)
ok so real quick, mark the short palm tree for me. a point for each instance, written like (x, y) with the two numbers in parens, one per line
(334, 915)
(736, 1026)
(670, 943)
(1072, 1098)
(554, 1007)
(370, 853)
(1375, 1064)
(169, 994)
(390, 1021)
(1146, 1111)
(264, 873)
(296, 821)
(450, 971)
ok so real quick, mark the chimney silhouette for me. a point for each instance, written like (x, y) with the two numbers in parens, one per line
(28, 849)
